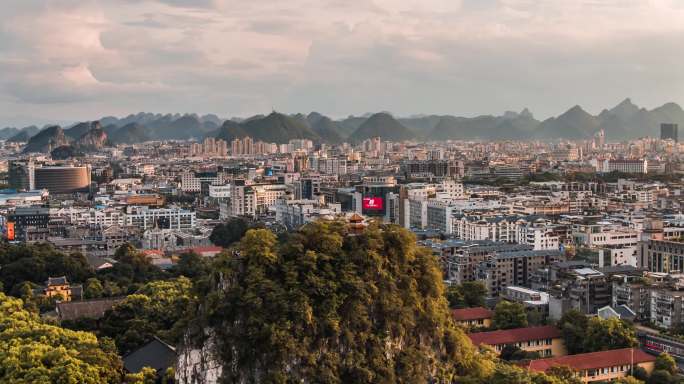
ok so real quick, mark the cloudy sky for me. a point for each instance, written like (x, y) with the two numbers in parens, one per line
(67, 60)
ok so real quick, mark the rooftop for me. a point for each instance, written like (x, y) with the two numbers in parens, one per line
(510, 336)
(593, 360)
(94, 309)
(471, 314)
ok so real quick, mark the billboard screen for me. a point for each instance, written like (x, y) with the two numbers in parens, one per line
(10, 231)
(372, 204)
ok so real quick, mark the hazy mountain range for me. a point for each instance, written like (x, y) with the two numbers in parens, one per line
(624, 121)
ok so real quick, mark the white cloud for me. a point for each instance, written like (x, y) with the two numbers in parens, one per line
(71, 58)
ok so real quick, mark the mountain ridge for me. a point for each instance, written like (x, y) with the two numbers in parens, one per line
(625, 120)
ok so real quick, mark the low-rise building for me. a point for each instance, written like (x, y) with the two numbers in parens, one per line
(600, 366)
(144, 217)
(530, 298)
(545, 340)
(295, 213)
(478, 317)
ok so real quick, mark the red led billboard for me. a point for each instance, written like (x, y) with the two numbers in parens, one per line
(372, 203)
(10, 231)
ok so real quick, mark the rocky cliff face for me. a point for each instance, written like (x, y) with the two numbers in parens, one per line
(94, 139)
(47, 140)
(198, 364)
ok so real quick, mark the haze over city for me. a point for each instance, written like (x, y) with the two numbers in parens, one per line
(65, 61)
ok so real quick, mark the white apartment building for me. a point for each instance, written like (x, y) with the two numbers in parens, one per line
(626, 166)
(219, 191)
(415, 198)
(620, 255)
(417, 213)
(440, 216)
(295, 213)
(541, 237)
(605, 235)
(192, 181)
(101, 217)
(509, 229)
(249, 200)
(666, 307)
(167, 218)
(494, 228)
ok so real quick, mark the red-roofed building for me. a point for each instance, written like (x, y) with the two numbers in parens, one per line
(152, 254)
(599, 366)
(207, 251)
(473, 317)
(545, 340)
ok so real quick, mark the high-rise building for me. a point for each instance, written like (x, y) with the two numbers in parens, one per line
(20, 175)
(63, 180)
(600, 139)
(669, 131)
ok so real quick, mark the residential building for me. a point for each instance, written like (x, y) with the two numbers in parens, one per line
(545, 340)
(504, 269)
(478, 317)
(165, 218)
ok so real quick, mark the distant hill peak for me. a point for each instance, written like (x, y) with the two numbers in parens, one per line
(575, 110)
(626, 107)
(383, 125)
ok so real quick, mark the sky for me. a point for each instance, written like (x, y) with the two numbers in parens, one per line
(71, 60)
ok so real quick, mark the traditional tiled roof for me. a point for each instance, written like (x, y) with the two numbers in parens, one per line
(94, 309)
(510, 336)
(61, 280)
(155, 354)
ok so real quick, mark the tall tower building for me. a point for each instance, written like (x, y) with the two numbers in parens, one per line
(600, 139)
(669, 131)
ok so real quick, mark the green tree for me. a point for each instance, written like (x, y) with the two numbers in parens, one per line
(510, 374)
(169, 376)
(608, 334)
(35, 263)
(131, 271)
(93, 288)
(640, 373)
(513, 353)
(660, 377)
(225, 234)
(111, 288)
(535, 317)
(573, 325)
(508, 315)
(665, 362)
(474, 293)
(192, 265)
(146, 375)
(565, 374)
(32, 351)
(628, 380)
(454, 296)
(157, 309)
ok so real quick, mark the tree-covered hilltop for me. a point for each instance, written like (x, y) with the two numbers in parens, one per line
(321, 305)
